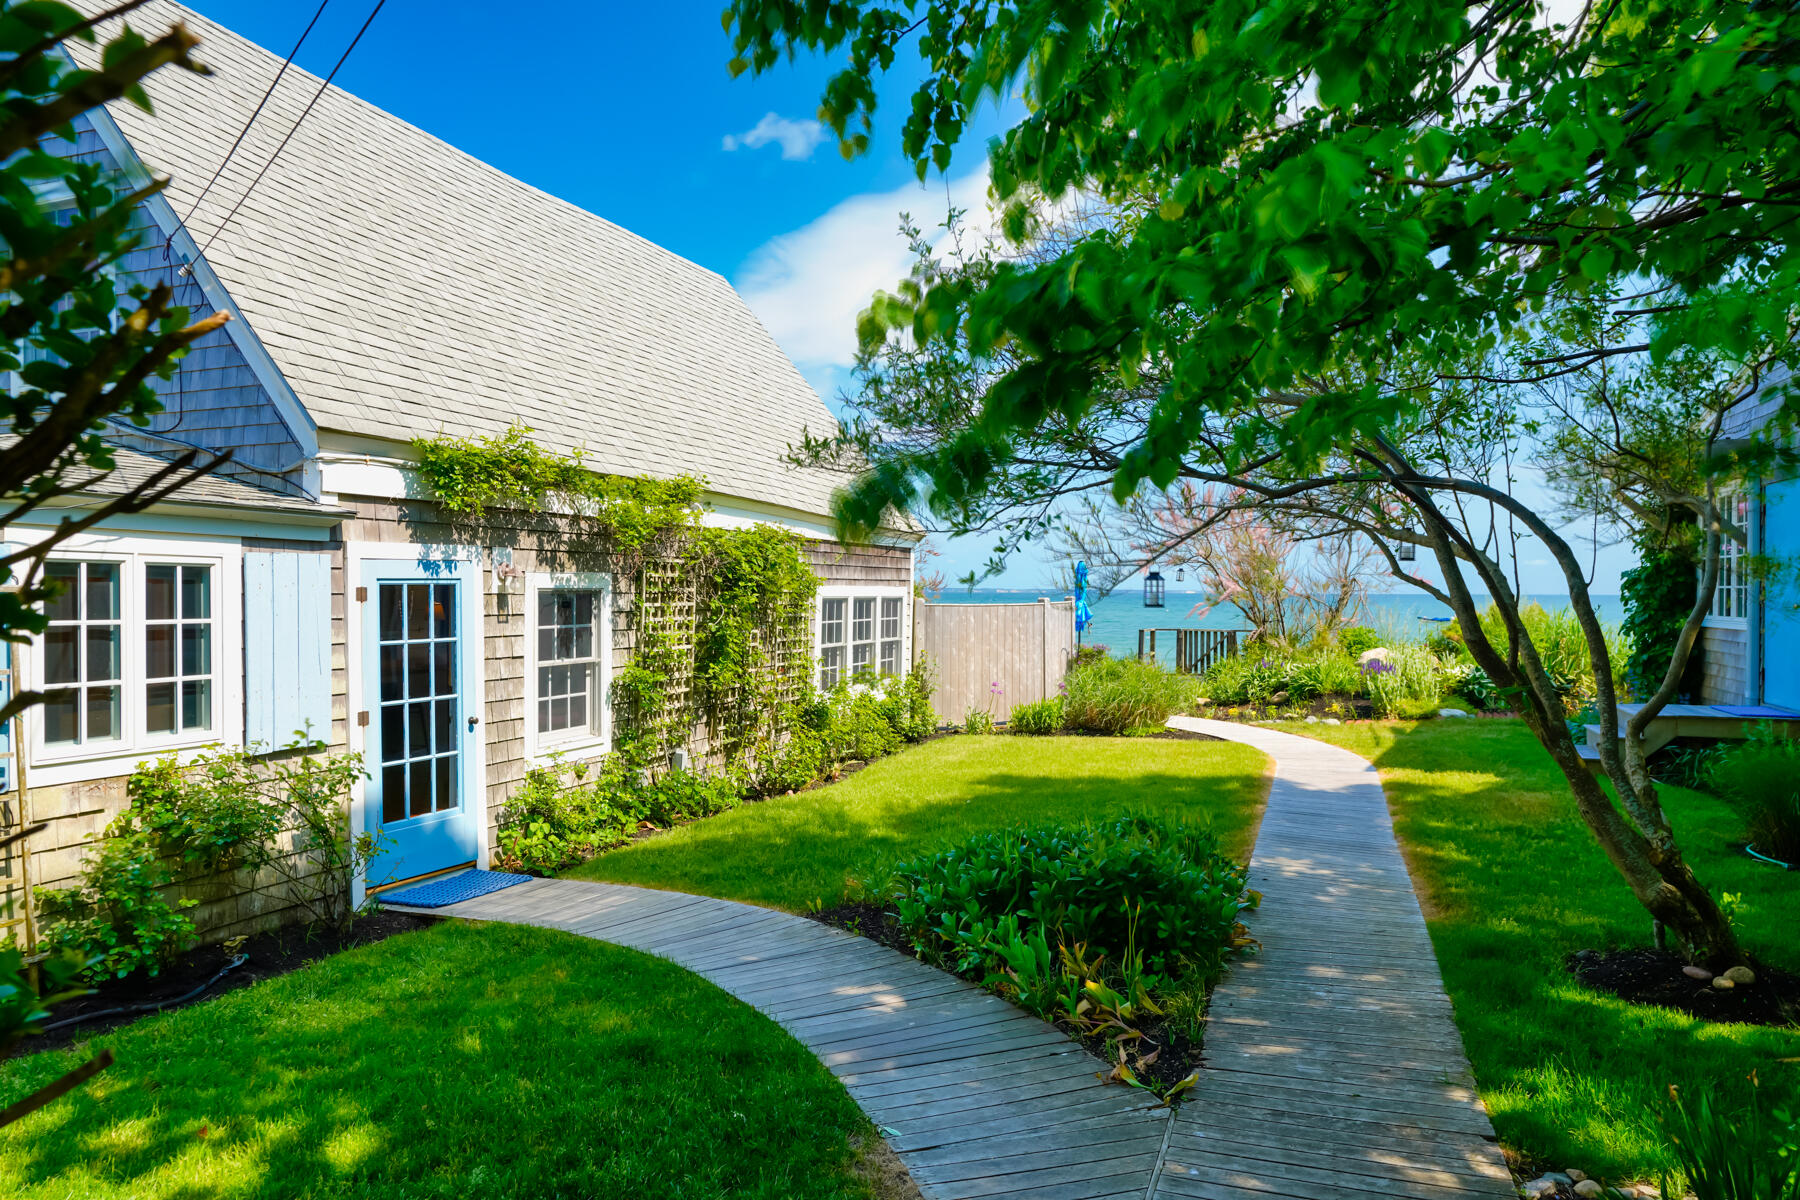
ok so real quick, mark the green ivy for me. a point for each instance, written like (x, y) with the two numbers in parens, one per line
(470, 477)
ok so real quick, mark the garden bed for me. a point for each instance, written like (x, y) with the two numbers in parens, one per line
(1176, 1056)
(267, 955)
(1646, 976)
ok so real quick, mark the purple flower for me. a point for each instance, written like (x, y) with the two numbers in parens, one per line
(994, 689)
(1264, 665)
(1376, 667)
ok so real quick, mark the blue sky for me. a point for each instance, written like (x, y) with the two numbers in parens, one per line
(630, 112)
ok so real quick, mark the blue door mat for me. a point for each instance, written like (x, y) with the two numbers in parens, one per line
(452, 889)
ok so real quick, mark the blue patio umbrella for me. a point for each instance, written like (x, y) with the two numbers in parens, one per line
(1084, 616)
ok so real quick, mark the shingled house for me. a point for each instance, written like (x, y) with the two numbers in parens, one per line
(385, 286)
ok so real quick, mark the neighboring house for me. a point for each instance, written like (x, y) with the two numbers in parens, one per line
(384, 286)
(1750, 645)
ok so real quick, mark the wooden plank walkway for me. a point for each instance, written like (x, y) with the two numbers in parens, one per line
(1333, 1070)
(978, 1098)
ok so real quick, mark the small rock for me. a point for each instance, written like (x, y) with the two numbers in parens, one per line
(1577, 1176)
(1331, 721)
(1278, 698)
(1742, 976)
(1587, 1187)
(1451, 712)
(1559, 1178)
(1369, 656)
(1723, 984)
(1537, 1189)
(1311, 720)
(1700, 973)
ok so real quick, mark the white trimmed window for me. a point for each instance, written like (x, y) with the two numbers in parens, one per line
(861, 632)
(568, 667)
(131, 656)
(1731, 595)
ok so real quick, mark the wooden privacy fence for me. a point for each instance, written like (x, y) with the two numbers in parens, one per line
(1195, 649)
(970, 648)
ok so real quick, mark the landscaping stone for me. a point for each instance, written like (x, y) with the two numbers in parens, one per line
(1577, 1176)
(1451, 712)
(1369, 656)
(1724, 984)
(1742, 976)
(1700, 973)
(1312, 720)
(1331, 721)
(1587, 1187)
(1537, 1189)
(1558, 1178)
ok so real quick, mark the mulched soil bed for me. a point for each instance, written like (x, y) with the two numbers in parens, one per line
(1645, 976)
(270, 954)
(1176, 1058)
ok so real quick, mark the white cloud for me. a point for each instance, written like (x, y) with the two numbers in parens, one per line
(808, 286)
(798, 139)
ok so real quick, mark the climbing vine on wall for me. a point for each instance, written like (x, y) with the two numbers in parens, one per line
(722, 618)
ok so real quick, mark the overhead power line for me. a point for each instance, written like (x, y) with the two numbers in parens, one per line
(307, 111)
(244, 132)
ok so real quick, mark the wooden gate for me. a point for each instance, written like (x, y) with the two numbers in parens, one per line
(991, 657)
(1195, 649)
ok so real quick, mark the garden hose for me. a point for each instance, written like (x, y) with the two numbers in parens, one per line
(1751, 851)
(153, 1005)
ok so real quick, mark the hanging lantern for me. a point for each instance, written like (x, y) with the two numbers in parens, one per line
(1180, 574)
(1153, 590)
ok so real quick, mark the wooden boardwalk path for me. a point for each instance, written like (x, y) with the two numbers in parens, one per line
(1332, 1068)
(977, 1097)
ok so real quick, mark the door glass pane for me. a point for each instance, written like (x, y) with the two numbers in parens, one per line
(418, 729)
(442, 606)
(418, 610)
(393, 793)
(392, 672)
(392, 598)
(446, 782)
(418, 669)
(444, 668)
(446, 726)
(393, 733)
(418, 799)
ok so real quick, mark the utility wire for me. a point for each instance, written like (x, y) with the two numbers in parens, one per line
(307, 111)
(245, 131)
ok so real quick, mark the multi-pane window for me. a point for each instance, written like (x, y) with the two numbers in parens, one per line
(178, 648)
(84, 668)
(831, 642)
(859, 636)
(419, 706)
(1731, 596)
(568, 669)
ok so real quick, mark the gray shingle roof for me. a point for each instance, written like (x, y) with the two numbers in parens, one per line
(405, 288)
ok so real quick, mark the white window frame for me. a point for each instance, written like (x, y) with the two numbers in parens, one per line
(59, 763)
(1732, 594)
(540, 747)
(850, 594)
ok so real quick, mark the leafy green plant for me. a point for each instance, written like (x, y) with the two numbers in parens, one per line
(1356, 639)
(1749, 1156)
(1761, 776)
(1038, 717)
(1116, 694)
(978, 721)
(118, 918)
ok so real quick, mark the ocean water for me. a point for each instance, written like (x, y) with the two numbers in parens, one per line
(1117, 619)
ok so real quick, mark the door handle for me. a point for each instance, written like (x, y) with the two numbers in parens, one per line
(473, 721)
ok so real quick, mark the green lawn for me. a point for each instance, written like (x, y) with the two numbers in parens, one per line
(792, 851)
(461, 1061)
(1512, 882)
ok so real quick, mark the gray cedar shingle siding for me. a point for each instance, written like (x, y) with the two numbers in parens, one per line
(214, 399)
(1723, 666)
(405, 288)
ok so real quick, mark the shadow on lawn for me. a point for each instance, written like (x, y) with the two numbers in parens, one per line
(1512, 882)
(457, 1061)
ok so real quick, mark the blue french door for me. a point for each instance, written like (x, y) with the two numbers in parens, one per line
(422, 638)
(1781, 611)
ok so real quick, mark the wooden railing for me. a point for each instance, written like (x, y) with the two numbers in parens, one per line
(1195, 649)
